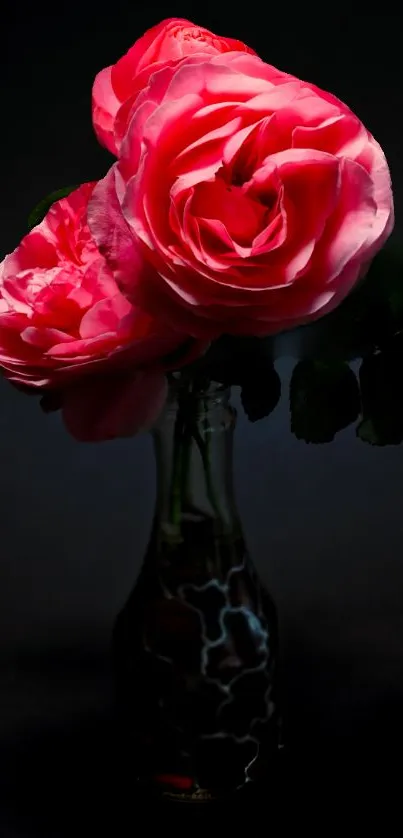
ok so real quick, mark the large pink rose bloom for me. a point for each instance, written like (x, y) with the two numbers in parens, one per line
(61, 312)
(258, 198)
(65, 324)
(116, 87)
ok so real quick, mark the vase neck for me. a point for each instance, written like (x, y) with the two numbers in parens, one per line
(194, 444)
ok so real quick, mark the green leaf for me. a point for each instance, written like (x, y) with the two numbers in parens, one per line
(261, 392)
(381, 382)
(229, 359)
(366, 431)
(245, 362)
(324, 399)
(38, 214)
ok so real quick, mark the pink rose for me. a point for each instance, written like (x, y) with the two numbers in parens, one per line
(117, 404)
(108, 407)
(62, 316)
(259, 199)
(116, 88)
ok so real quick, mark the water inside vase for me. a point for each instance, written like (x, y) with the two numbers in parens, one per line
(195, 652)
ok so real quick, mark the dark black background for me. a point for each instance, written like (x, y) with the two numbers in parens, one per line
(324, 523)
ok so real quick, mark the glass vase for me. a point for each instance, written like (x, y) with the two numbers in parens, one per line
(196, 645)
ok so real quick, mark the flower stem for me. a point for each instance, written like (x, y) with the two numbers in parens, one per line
(186, 429)
(204, 446)
(175, 504)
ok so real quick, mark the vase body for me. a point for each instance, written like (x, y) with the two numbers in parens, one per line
(196, 646)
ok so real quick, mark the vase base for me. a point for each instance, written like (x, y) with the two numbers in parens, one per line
(171, 789)
(251, 794)
(199, 796)
(193, 798)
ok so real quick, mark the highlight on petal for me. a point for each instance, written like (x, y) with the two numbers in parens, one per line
(105, 106)
(111, 232)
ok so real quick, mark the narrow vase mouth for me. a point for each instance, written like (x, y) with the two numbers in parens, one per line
(197, 387)
(197, 398)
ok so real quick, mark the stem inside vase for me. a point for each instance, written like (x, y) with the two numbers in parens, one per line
(195, 439)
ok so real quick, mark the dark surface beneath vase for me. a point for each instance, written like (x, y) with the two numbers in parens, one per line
(323, 523)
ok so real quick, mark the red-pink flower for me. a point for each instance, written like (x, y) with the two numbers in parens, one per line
(65, 324)
(116, 87)
(259, 199)
(119, 403)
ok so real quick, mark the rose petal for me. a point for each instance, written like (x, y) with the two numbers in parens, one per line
(106, 408)
(105, 106)
(104, 317)
(45, 337)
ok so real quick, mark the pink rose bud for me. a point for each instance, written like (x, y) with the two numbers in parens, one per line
(116, 88)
